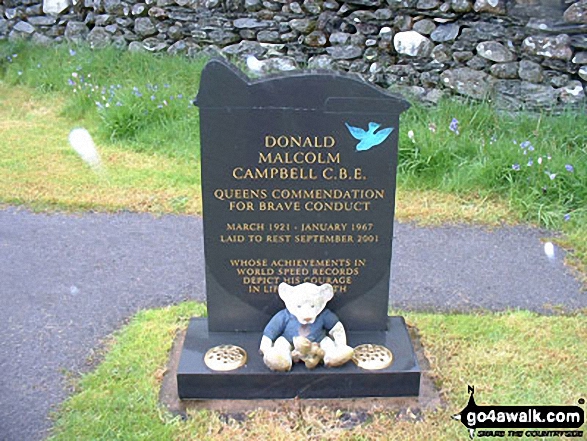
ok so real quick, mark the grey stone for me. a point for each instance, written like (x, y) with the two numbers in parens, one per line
(41, 39)
(12, 13)
(477, 63)
(55, 6)
(289, 37)
(362, 16)
(577, 12)
(253, 5)
(136, 46)
(303, 25)
(358, 39)
(572, 93)
(462, 56)
(313, 7)
(320, 62)
(296, 8)
(403, 22)
(222, 38)
(338, 38)
(370, 42)
(505, 70)
(412, 44)
(139, 9)
(98, 37)
(245, 48)
(359, 66)
(383, 14)
(371, 54)
(427, 4)
(42, 20)
(462, 6)
(580, 58)
(424, 27)
(211, 4)
(441, 53)
(76, 31)
(518, 95)
(179, 47)
(283, 64)
(579, 41)
(316, 39)
(144, 27)
(250, 23)
(445, 32)
(492, 6)
(24, 27)
(103, 19)
(433, 96)
(125, 22)
(248, 34)
(430, 79)
(468, 82)
(111, 29)
(34, 10)
(583, 72)
(268, 37)
(113, 7)
(557, 47)
(175, 32)
(153, 44)
(157, 13)
(369, 3)
(348, 52)
(268, 7)
(530, 71)
(3, 27)
(495, 51)
(331, 5)
(556, 79)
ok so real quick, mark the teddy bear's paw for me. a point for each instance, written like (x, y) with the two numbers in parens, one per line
(277, 360)
(338, 356)
(302, 344)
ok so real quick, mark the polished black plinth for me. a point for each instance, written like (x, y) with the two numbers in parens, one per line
(255, 381)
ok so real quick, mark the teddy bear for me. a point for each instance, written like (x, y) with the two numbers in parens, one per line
(305, 330)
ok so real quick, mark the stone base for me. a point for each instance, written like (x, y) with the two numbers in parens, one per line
(195, 381)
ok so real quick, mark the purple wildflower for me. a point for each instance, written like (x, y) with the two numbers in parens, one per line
(567, 217)
(71, 82)
(516, 167)
(569, 168)
(72, 52)
(454, 126)
(525, 144)
(530, 163)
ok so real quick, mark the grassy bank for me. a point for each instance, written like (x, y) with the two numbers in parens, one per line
(514, 358)
(458, 162)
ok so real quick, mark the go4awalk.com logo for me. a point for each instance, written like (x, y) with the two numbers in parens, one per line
(521, 421)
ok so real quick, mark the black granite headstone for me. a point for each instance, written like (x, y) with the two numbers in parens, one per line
(298, 184)
(298, 181)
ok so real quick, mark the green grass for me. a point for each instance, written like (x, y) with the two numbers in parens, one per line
(512, 358)
(140, 98)
(443, 176)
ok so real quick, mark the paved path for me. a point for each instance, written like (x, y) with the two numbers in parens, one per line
(66, 282)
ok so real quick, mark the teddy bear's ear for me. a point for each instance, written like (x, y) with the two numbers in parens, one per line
(284, 290)
(327, 292)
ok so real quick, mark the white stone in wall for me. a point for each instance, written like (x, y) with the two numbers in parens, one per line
(55, 6)
(413, 44)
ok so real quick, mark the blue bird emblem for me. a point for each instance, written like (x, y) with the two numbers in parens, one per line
(368, 138)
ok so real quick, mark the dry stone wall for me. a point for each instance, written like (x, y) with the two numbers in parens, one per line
(519, 53)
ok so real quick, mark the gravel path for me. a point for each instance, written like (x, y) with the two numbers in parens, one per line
(67, 281)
